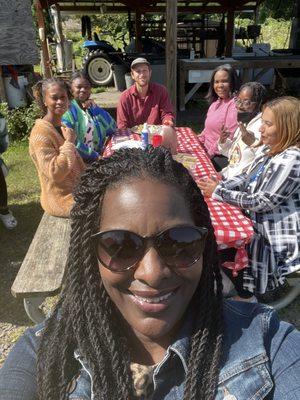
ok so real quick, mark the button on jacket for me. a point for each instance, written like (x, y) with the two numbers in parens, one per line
(261, 360)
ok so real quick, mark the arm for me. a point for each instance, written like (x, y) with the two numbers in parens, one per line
(3, 135)
(122, 115)
(281, 180)
(18, 374)
(166, 109)
(283, 347)
(105, 119)
(55, 163)
(224, 144)
(84, 150)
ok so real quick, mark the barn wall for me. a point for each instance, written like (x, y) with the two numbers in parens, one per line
(17, 33)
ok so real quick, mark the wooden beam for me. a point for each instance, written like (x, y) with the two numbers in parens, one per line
(153, 10)
(171, 50)
(229, 32)
(42, 34)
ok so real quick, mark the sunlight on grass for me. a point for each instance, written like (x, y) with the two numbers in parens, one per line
(22, 181)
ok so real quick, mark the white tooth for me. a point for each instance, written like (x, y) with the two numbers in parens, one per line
(154, 299)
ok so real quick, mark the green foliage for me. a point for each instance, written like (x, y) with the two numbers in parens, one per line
(280, 40)
(111, 27)
(277, 9)
(20, 120)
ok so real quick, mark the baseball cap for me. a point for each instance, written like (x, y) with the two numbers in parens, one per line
(139, 60)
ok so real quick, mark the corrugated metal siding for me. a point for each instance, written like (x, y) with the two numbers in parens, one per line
(17, 33)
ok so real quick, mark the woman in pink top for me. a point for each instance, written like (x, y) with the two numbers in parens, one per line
(222, 113)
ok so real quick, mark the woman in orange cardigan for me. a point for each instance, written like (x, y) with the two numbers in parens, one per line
(52, 148)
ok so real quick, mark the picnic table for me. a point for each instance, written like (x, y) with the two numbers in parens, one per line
(232, 228)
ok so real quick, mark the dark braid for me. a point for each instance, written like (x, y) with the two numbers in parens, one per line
(80, 75)
(87, 321)
(39, 90)
(258, 92)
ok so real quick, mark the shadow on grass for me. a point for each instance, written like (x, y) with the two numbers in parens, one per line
(14, 246)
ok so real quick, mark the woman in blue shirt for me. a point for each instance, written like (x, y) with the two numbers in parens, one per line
(141, 314)
(91, 123)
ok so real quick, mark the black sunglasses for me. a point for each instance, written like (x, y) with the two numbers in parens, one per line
(179, 247)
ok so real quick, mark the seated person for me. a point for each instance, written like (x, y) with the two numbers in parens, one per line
(52, 148)
(241, 149)
(91, 123)
(222, 113)
(269, 192)
(147, 101)
(141, 315)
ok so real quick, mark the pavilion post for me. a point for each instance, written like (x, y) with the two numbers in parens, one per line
(61, 59)
(138, 31)
(42, 35)
(229, 32)
(171, 50)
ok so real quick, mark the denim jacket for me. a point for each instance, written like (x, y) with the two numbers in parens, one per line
(261, 360)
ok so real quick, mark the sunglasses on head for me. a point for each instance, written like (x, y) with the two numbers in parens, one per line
(178, 247)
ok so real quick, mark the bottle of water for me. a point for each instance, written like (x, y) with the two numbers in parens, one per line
(145, 135)
(192, 54)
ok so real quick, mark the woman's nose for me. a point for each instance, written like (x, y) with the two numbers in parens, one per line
(151, 270)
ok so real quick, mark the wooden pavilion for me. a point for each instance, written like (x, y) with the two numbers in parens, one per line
(170, 8)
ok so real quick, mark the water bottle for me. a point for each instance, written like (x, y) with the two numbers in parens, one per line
(192, 54)
(145, 135)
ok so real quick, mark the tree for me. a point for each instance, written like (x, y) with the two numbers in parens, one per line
(278, 9)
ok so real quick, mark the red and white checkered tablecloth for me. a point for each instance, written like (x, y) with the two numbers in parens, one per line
(232, 227)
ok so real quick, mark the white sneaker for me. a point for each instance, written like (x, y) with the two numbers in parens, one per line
(9, 221)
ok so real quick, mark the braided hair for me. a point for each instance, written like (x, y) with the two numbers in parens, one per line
(80, 75)
(40, 88)
(86, 320)
(258, 92)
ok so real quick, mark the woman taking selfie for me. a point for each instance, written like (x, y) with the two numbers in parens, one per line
(141, 314)
(270, 194)
(52, 148)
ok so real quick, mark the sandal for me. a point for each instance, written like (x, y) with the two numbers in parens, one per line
(9, 221)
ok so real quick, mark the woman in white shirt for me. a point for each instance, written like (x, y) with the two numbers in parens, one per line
(241, 149)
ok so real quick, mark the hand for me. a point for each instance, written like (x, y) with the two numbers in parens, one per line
(88, 103)
(68, 134)
(169, 139)
(224, 134)
(247, 137)
(208, 185)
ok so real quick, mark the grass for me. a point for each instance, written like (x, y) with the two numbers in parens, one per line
(23, 191)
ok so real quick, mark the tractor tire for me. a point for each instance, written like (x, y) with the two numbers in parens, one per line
(97, 66)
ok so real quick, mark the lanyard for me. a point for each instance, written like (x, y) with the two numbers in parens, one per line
(258, 172)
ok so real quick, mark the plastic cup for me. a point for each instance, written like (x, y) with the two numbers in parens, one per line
(156, 140)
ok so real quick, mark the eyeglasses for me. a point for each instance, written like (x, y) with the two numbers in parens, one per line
(244, 103)
(179, 247)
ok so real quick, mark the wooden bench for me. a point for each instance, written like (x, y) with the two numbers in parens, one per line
(42, 271)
